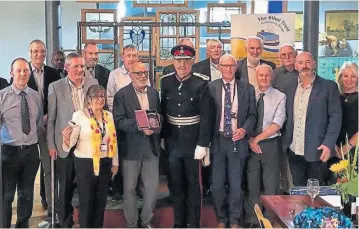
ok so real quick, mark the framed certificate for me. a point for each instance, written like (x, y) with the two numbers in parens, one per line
(147, 119)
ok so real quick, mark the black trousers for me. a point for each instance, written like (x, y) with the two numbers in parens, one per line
(66, 172)
(92, 191)
(302, 169)
(186, 191)
(207, 177)
(19, 167)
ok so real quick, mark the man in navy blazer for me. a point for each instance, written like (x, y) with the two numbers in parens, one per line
(313, 122)
(246, 67)
(229, 146)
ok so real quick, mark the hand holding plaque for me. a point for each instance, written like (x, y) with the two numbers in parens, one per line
(147, 119)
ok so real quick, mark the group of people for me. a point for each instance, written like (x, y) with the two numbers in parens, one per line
(232, 130)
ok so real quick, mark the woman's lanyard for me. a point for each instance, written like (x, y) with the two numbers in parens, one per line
(234, 91)
(103, 129)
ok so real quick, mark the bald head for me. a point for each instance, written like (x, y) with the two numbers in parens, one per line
(305, 63)
(139, 75)
(227, 67)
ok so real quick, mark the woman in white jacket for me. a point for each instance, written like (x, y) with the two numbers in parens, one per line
(92, 135)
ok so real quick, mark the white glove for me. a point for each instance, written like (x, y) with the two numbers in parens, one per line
(199, 153)
(206, 160)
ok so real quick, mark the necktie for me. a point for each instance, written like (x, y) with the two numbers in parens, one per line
(260, 113)
(227, 128)
(25, 114)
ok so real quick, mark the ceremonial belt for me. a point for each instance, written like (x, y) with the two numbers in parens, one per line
(183, 121)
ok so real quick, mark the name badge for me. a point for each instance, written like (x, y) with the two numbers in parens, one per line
(104, 147)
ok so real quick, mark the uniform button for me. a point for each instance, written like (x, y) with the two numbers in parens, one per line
(191, 99)
(179, 104)
(179, 115)
(179, 93)
(179, 126)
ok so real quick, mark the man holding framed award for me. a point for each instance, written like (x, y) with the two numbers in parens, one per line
(136, 111)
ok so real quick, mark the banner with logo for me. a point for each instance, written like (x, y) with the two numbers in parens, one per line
(274, 29)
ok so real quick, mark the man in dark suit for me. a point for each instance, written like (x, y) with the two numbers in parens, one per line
(3, 83)
(40, 78)
(247, 66)
(139, 148)
(93, 69)
(313, 122)
(234, 108)
(58, 62)
(183, 41)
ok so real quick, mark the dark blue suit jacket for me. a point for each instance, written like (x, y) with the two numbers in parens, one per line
(247, 114)
(324, 117)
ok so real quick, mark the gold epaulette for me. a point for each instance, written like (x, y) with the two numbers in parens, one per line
(201, 75)
(169, 74)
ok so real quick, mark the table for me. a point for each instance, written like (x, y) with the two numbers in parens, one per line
(280, 206)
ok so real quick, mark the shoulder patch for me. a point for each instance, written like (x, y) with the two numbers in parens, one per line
(201, 75)
(169, 74)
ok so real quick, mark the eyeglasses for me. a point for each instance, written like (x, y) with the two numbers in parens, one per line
(98, 97)
(38, 52)
(227, 65)
(287, 55)
(140, 73)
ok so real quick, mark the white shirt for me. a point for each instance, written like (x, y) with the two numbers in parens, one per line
(252, 78)
(215, 73)
(118, 78)
(84, 148)
(234, 104)
(39, 79)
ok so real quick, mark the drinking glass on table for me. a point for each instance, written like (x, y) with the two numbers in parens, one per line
(313, 189)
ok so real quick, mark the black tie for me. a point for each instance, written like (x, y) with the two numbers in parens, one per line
(25, 114)
(260, 113)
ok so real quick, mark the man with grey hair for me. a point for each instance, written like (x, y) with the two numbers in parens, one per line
(41, 76)
(183, 41)
(282, 77)
(265, 153)
(210, 66)
(233, 108)
(65, 97)
(247, 66)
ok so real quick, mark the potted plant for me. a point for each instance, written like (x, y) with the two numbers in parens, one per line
(346, 171)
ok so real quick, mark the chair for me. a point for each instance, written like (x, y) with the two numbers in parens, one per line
(263, 222)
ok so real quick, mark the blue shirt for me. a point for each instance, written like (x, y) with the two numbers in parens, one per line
(10, 116)
(274, 108)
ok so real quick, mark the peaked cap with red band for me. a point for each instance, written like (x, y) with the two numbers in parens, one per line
(183, 52)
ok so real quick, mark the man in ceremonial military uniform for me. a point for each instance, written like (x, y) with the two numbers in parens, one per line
(186, 133)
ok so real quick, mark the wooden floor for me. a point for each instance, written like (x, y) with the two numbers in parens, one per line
(114, 218)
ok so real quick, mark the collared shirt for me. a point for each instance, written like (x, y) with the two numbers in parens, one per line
(215, 73)
(301, 100)
(10, 116)
(77, 95)
(274, 108)
(252, 78)
(234, 100)
(39, 78)
(90, 72)
(282, 77)
(143, 99)
(118, 78)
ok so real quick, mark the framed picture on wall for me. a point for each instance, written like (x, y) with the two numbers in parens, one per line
(343, 24)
